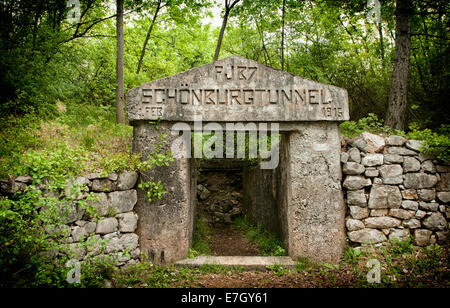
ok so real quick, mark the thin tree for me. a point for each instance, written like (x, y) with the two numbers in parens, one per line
(159, 6)
(398, 96)
(282, 33)
(120, 99)
(229, 5)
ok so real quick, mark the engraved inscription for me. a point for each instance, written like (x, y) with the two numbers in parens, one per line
(235, 96)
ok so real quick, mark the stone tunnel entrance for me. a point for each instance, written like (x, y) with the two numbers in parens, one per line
(235, 197)
(300, 198)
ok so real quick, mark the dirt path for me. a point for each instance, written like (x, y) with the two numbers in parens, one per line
(227, 242)
(225, 192)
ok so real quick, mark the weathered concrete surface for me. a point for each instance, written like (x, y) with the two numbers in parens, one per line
(237, 89)
(315, 201)
(246, 262)
(165, 226)
(306, 185)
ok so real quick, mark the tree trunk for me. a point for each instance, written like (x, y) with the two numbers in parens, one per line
(282, 34)
(398, 96)
(222, 31)
(120, 99)
(148, 37)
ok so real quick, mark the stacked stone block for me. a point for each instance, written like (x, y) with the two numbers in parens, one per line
(113, 234)
(394, 191)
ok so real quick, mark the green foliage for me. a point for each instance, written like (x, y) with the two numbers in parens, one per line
(371, 124)
(352, 255)
(435, 143)
(402, 247)
(268, 244)
(201, 243)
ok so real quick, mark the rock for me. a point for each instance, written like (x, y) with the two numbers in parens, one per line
(410, 194)
(356, 182)
(71, 212)
(123, 201)
(444, 183)
(367, 236)
(420, 214)
(24, 179)
(344, 157)
(410, 164)
(82, 232)
(129, 241)
(399, 234)
(78, 233)
(435, 221)
(358, 212)
(384, 196)
(402, 214)
(374, 143)
(412, 223)
(354, 155)
(102, 185)
(381, 222)
(372, 160)
(127, 222)
(427, 194)
(107, 225)
(126, 180)
(410, 205)
(393, 159)
(377, 181)
(202, 192)
(443, 237)
(101, 203)
(422, 237)
(352, 168)
(90, 227)
(379, 212)
(400, 151)
(359, 143)
(419, 180)
(444, 196)
(395, 140)
(113, 176)
(357, 197)
(432, 207)
(428, 166)
(414, 145)
(392, 174)
(371, 173)
(354, 225)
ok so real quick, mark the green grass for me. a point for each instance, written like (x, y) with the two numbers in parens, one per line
(201, 243)
(268, 244)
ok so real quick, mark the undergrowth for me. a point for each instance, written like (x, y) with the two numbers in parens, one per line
(268, 244)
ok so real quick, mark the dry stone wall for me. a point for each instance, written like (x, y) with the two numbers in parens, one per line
(394, 191)
(109, 233)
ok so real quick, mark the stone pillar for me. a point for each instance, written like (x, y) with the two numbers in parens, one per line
(315, 203)
(165, 226)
